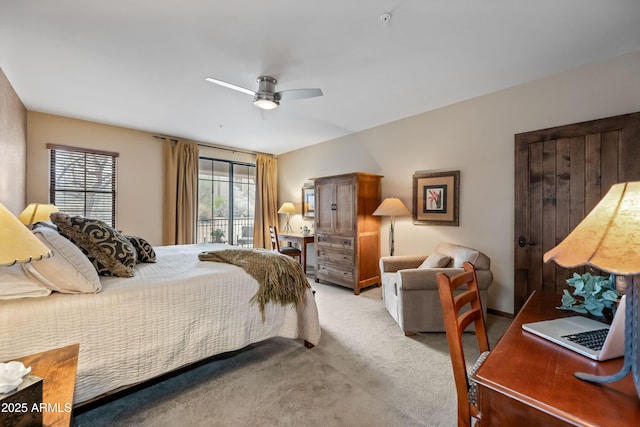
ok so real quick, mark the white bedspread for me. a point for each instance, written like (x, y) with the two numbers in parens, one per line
(172, 313)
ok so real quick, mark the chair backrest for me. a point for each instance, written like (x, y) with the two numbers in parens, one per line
(460, 308)
(275, 244)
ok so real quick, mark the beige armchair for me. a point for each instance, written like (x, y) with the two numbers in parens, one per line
(410, 288)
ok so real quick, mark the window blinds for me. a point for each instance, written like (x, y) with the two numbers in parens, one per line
(83, 182)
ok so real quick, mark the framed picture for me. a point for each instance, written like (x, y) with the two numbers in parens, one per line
(436, 198)
(308, 201)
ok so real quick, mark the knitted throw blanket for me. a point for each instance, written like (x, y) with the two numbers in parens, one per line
(280, 277)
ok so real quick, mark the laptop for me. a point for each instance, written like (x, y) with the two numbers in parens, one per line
(588, 337)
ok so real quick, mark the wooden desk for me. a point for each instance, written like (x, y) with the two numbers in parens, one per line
(300, 239)
(58, 369)
(529, 381)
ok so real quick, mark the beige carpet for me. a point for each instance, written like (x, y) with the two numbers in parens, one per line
(364, 372)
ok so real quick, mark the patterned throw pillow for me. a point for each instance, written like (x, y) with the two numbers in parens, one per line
(109, 251)
(143, 248)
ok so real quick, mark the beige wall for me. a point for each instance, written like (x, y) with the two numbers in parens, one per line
(140, 167)
(13, 144)
(477, 138)
(139, 197)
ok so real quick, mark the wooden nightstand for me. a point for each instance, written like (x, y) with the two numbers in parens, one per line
(58, 369)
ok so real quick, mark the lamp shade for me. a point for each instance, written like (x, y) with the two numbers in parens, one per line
(392, 206)
(36, 212)
(287, 208)
(17, 243)
(609, 237)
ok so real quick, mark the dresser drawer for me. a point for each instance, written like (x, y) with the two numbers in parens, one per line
(343, 242)
(338, 256)
(335, 274)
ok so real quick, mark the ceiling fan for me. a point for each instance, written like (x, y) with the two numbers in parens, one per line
(266, 96)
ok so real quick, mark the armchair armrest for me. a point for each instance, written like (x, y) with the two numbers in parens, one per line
(424, 278)
(391, 264)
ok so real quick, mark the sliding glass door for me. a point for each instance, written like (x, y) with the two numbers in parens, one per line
(226, 202)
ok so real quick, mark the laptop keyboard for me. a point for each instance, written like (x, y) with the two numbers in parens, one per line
(590, 339)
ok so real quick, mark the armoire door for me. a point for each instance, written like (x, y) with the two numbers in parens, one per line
(560, 175)
(346, 214)
(325, 206)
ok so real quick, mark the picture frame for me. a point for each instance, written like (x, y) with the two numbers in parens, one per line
(308, 201)
(436, 198)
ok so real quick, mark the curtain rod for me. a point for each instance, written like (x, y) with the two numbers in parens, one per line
(217, 147)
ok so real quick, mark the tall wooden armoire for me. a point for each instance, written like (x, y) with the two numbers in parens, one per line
(347, 236)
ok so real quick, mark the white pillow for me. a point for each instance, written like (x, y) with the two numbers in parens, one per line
(15, 283)
(460, 255)
(68, 270)
(435, 261)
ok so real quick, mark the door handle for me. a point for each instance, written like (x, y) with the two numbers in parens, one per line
(522, 242)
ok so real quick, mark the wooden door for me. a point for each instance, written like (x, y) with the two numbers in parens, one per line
(325, 205)
(560, 175)
(345, 206)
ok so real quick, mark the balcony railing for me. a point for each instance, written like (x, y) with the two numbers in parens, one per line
(241, 230)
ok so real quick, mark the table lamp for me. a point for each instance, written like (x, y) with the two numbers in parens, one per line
(609, 239)
(393, 207)
(36, 212)
(18, 245)
(287, 208)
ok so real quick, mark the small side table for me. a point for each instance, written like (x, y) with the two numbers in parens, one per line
(58, 369)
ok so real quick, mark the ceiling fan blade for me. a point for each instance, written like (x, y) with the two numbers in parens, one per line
(299, 93)
(230, 86)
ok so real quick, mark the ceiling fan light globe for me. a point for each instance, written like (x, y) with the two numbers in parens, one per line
(265, 104)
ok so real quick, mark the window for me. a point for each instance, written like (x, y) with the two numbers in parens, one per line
(226, 202)
(83, 182)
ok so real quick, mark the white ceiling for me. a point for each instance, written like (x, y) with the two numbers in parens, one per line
(142, 63)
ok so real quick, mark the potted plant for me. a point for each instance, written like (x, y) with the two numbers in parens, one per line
(598, 295)
(217, 235)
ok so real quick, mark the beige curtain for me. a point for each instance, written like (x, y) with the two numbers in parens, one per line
(180, 194)
(266, 199)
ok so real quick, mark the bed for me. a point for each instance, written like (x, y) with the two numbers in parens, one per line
(171, 313)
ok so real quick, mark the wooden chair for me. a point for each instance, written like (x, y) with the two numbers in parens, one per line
(287, 250)
(460, 308)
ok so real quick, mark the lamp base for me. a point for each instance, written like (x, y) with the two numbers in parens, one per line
(391, 238)
(287, 227)
(631, 359)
